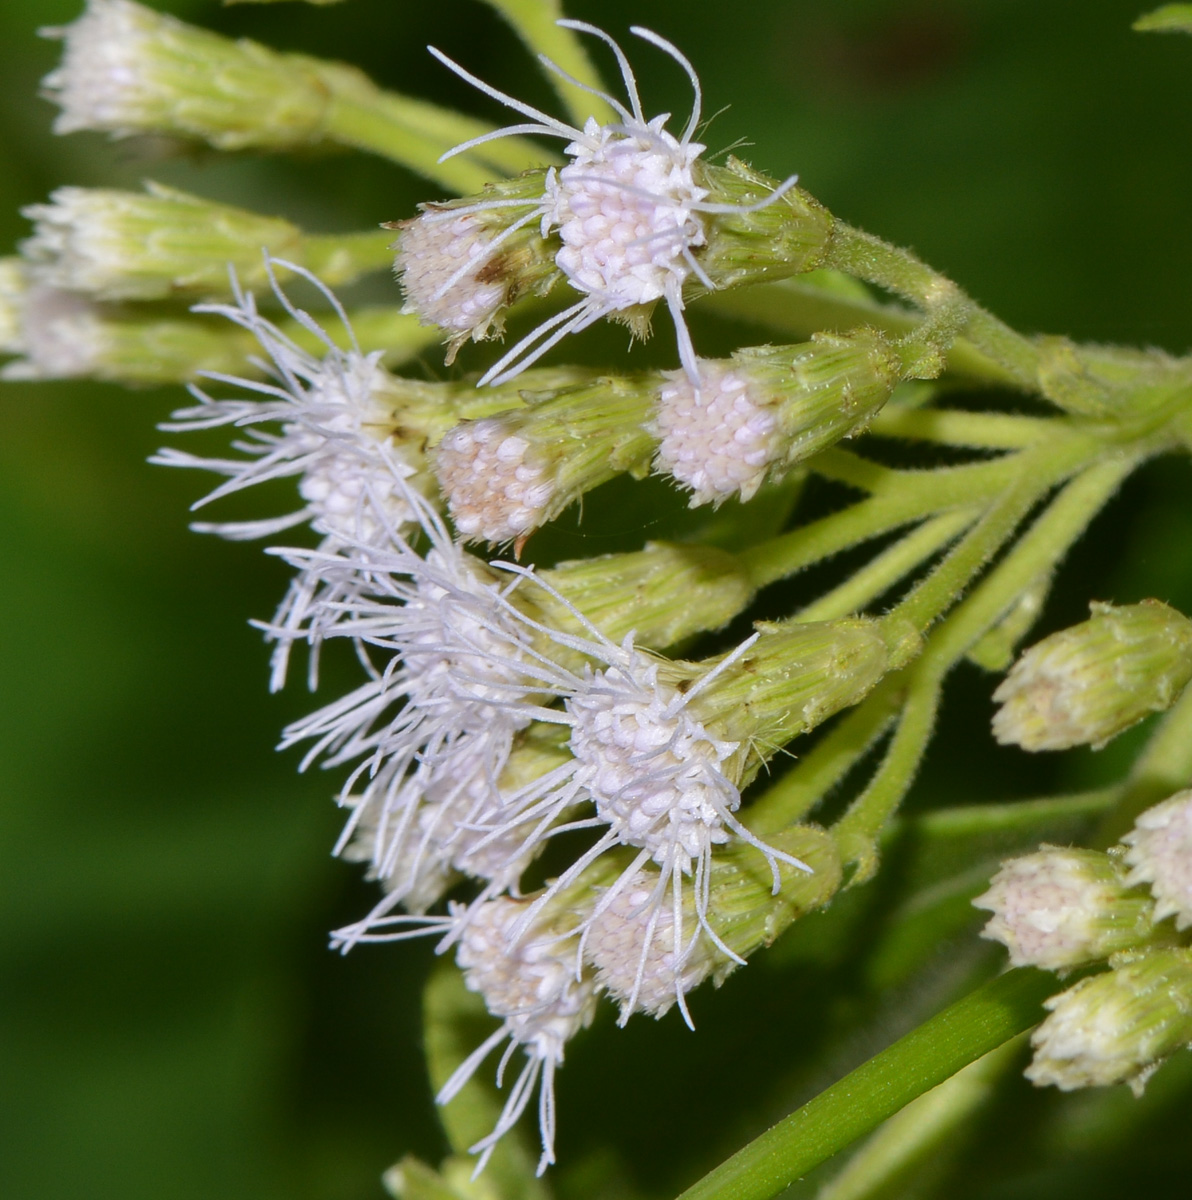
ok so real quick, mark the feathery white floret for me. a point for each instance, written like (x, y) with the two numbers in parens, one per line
(642, 956)
(530, 982)
(719, 438)
(320, 421)
(1160, 855)
(626, 207)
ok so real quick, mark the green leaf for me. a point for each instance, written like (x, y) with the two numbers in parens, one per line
(858, 1103)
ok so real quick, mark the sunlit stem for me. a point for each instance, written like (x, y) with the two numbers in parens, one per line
(1040, 471)
(951, 427)
(536, 24)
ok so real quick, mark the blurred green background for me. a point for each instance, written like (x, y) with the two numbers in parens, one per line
(173, 1026)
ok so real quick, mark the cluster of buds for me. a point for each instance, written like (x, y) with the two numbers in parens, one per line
(1062, 909)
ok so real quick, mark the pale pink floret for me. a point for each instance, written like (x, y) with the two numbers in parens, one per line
(1046, 908)
(1160, 856)
(433, 258)
(718, 441)
(493, 487)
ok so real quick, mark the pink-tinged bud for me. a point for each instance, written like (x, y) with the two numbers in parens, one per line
(1085, 685)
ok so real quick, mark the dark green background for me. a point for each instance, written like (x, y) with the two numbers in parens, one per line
(173, 1025)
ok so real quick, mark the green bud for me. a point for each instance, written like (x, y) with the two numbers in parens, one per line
(1085, 685)
(1116, 1027)
(505, 476)
(662, 594)
(791, 679)
(766, 409)
(128, 70)
(165, 243)
(63, 335)
(1063, 908)
(787, 237)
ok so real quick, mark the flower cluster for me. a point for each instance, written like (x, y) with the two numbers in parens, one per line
(1063, 908)
(536, 773)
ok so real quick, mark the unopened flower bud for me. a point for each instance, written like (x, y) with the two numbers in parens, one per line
(505, 476)
(793, 677)
(1061, 908)
(759, 240)
(64, 335)
(1160, 855)
(1085, 685)
(760, 412)
(1116, 1027)
(462, 265)
(127, 69)
(164, 243)
(663, 594)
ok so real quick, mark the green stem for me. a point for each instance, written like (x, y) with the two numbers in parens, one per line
(977, 820)
(1041, 546)
(823, 766)
(799, 308)
(1040, 470)
(869, 258)
(416, 134)
(950, 427)
(899, 497)
(341, 257)
(850, 1108)
(886, 569)
(856, 833)
(922, 1129)
(536, 24)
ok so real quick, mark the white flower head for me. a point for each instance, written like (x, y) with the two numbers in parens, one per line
(441, 257)
(657, 780)
(627, 207)
(320, 421)
(432, 730)
(717, 437)
(531, 983)
(1160, 855)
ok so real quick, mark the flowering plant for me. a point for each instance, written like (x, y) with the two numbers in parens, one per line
(586, 772)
